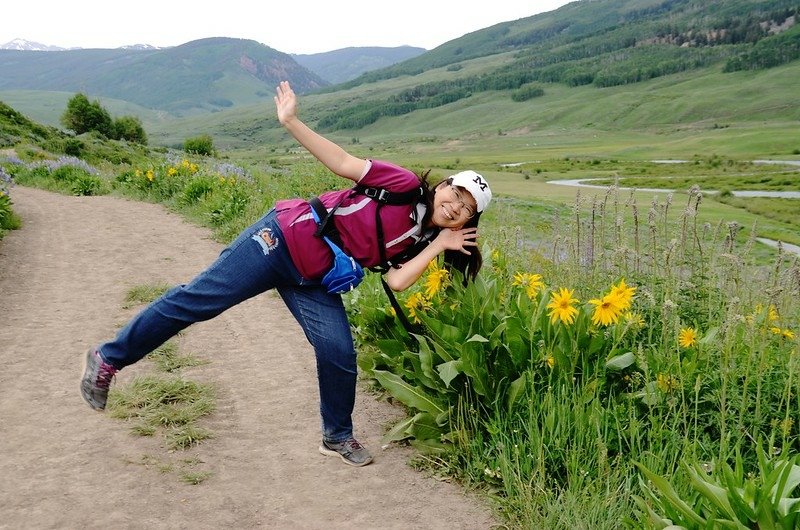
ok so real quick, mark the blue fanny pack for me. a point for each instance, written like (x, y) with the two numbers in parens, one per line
(346, 273)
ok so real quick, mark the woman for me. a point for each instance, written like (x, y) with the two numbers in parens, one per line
(280, 251)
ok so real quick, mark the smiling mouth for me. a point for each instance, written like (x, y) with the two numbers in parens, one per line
(447, 214)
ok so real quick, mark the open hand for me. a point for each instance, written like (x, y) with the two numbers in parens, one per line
(458, 239)
(285, 102)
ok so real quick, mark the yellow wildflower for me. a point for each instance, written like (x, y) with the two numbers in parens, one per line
(623, 293)
(185, 163)
(550, 361)
(138, 173)
(606, 310)
(776, 330)
(773, 313)
(667, 383)
(150, 175)
(416, 304)
(435, 281)
(562, 306)
(788, 334)
(687, 337)
(635, 319)
(532, 283)
(193, 168)
(495, 254)
(172, 171)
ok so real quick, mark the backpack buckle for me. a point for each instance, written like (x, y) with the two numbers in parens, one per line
(379, 194)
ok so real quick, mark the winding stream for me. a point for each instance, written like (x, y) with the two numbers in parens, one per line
(787, 247)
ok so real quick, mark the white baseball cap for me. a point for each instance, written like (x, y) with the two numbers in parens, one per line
(475, 184)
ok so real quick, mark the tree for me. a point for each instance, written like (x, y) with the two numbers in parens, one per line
(83, 116)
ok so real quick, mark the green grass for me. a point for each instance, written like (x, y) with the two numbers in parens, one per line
(168, 359)
(172, 404)
(144, 294)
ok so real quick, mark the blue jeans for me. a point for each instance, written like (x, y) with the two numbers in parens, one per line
(256, 261)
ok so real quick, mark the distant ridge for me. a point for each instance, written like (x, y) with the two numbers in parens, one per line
(342, 65)
(30, 46)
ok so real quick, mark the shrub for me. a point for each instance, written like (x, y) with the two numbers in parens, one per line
(73, 147)
(130, 128)
(201, 145)
(87, 185)
(197, 189)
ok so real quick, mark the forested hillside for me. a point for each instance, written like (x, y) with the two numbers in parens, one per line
(601, 43)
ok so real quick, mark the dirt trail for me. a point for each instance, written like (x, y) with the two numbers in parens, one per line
(63, 277)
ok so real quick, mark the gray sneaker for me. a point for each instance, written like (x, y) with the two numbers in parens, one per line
(350, 451)
(97, 375)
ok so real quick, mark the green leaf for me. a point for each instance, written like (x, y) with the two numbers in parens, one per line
(406, 393)
(449, 371)
(789, 479)
(710, 337)
(496, 335)
(620, 362)
(714, 493)
(425, 357)
(517, 389)
(477, 338)
(424, 427)
(514, 337)
(390, 347)
(658, 522)
(474, 365)
(665, 488)
(597, 342)
(400, 431)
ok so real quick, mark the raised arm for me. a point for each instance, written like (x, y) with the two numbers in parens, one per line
(331, 155)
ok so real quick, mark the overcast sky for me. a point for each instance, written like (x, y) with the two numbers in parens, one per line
(298, 26)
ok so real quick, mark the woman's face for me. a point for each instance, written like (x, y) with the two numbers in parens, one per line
(453, 206)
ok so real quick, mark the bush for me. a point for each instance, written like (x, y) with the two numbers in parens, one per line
(201, 145)
(527, 92)
(87, 185)
(73, 147)
(197, 189)
(130, 128)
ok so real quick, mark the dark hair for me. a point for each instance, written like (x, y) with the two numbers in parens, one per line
(453, 259)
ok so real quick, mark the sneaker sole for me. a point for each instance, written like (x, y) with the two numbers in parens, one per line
(329, 452)
(83, 372)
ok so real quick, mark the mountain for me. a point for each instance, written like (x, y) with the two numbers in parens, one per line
(26, 45)
(342, 65)
(590, 64)
(197, 77)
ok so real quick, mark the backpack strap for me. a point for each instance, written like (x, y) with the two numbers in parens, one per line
(384, 196)
(401, 315)
(325, 226)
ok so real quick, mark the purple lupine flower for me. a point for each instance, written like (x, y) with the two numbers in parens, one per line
(71, 161)
(227, 169)
(174, 159)
(6, 181)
